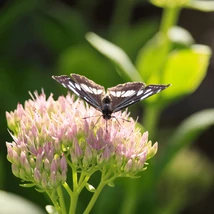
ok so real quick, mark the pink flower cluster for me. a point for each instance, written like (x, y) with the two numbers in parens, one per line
(50, 135)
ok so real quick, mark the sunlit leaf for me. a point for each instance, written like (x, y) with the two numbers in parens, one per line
(90, 188)
(150, 58)
(185, 70)
(11, 203)
(206, 6)
(139, 32)
(116, 55)
(83, 59)
(180, 35)
(170, 3)
(27, 185)
(51, 209)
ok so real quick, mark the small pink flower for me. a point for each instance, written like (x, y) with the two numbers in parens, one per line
(49, 136)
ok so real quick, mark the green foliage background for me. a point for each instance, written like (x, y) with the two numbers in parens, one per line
(41, 38)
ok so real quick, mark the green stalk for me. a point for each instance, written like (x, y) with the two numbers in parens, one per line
(121, 17)
(151, 118)
(61, 200)
(75, 179)
(105, 179)
(152, 112)
(129, 202)
(94, 197)
(67, 188)
(74, 196)
(54, 201)
(169, 19)
(73, 202)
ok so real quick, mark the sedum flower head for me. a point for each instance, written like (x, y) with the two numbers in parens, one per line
(50, 136)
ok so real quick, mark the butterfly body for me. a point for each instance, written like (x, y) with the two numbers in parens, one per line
(106, 107)
(115, 99)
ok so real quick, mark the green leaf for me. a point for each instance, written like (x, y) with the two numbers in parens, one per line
(11, 203)
(170, 3)
(15, 10)
(90, 188)
(150, 59)
(140, 32)
(116, 55)
(27, 185)
(51, 209)
(40, 190)
(85, 60)
(185, 70)
(180, 35)
(111, 184)
(63, 24)
(186, 133)
(206, 6)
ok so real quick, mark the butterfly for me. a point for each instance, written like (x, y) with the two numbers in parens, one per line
(115, 99)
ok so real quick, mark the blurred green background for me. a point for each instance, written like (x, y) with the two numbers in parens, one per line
(41, 38)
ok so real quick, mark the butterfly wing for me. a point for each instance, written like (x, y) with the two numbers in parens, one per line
(84, 88)
(127, 94)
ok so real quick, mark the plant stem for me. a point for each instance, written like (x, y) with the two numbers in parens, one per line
(61, 200)
(74, 194)
(73, 202)
(129, 202)
(121, 17)
(94, 197)
(169, 19)
(151, 118)
(105, 178)
(55, 203)
(75, 179)
(152, 112)
(67, 188)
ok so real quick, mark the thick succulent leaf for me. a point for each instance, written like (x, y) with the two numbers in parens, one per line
(186, 133)
(150, 59)
(206, 6)
(11, 203)
(116, 55)
(90, 188)
(51, 209)
(185, 70)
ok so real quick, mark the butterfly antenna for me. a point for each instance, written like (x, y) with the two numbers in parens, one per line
(122, 119)
(91, 116)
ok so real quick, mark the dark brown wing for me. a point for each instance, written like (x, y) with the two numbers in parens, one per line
(86, 89)
(127, 94)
